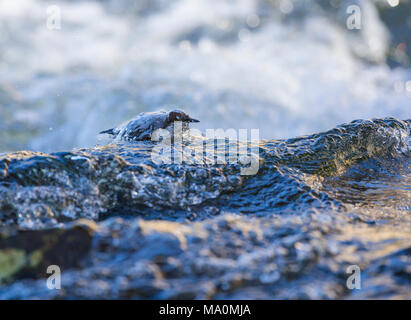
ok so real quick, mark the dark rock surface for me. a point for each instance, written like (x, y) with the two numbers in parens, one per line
(317, 205)
(28, 253)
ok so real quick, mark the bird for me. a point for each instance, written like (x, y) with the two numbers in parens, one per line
(142, 127)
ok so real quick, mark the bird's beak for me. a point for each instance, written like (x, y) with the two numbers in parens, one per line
(193, 120)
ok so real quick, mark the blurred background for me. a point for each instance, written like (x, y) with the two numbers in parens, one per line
(287, 67)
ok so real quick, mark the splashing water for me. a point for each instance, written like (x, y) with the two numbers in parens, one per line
(284, 67)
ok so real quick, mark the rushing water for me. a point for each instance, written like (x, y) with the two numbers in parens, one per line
(285, 67)
(318, 204)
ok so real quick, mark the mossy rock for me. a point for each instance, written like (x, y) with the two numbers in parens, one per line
(27, 254)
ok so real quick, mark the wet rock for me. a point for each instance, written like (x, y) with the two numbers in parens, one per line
(40, 190)
(27, 254)
(192, 231)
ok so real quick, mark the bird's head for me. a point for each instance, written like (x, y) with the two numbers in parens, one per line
(178, 115)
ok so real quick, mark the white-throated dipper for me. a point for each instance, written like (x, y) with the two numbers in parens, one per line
(142, 127)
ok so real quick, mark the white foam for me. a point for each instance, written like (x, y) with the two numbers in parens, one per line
(285, 78)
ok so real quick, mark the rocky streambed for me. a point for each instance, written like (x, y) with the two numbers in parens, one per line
(121, 226)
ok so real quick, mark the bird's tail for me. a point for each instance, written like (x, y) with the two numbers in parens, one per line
(109, 131)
